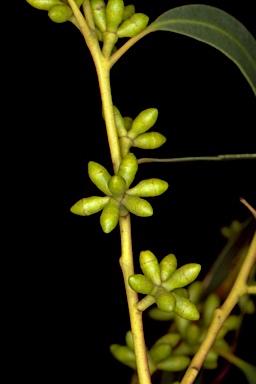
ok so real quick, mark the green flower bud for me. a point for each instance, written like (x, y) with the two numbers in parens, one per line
(119, 122)
(185, 308)
(98, 34)
(148, 188)
(137, 206)
(89, 205)
(182, 292)
(141, 284)
(192, 334)
(44, 5)
(128, 168)
(246, 304)
(134, 25)
(212, 357)
(128, 123)
(129, 10)
(109, 40)
(110, 216)
(129, 340)
(160, 352)
(210, 364)
(232, 322)
(195, 290)
(167, 266)
(149, 140)
(114, 14)
(143, 122)
(99, 176)
(211, 303)
(123, 354)
(165, 301)
(156, 314)
(221, 343)
(125, 145)
(150, 266)
(169, 338)
(117, 185)
(182, 276)
(181, 325)
(174, 363)
(60, 13)
(99, 14)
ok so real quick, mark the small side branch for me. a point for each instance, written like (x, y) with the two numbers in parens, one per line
(244, 156)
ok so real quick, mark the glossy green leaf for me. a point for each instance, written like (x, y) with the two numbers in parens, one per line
(216, 28)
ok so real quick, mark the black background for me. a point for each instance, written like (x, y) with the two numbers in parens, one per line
(71, 302)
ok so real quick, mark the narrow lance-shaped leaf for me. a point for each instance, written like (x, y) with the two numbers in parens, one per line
(216, 28)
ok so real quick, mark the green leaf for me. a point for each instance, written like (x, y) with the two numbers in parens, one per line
(216, 28)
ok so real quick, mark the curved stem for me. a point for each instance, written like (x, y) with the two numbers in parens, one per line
(126, 263)
(116, 56)
(220, 314)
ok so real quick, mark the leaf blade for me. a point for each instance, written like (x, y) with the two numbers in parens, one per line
(216, 28)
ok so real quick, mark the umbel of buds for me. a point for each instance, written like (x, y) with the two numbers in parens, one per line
(58, 11)
(133, 133)
(119, 199)
(164, 285)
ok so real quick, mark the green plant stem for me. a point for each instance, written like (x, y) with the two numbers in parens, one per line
(116, 56)
(251, 290)
(103, 67)
(244, 156)
(126, 263)
(103, 72)
(220, 314)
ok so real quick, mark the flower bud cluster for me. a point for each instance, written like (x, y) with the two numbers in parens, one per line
(191, 333)
(120, 199)
(160, 356)
(114, 20)
(58, 11)
(133, 133)
(164, 285)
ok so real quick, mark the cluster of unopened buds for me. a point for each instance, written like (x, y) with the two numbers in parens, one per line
(164, 285)
(173, 351)
(112, 21)
(120, 198)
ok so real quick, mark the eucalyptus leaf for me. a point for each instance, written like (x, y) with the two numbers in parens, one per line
(217, 28)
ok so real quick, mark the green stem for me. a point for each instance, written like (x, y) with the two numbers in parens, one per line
(103, 67)
(126, 263)
(103, 71)
(244, 156)
(116, 56)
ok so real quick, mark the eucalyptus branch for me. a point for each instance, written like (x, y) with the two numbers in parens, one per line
(220, 314)
(244, 156)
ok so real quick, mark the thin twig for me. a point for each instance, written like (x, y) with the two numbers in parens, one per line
(220, 314)
(243, 156)
(251, 209)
